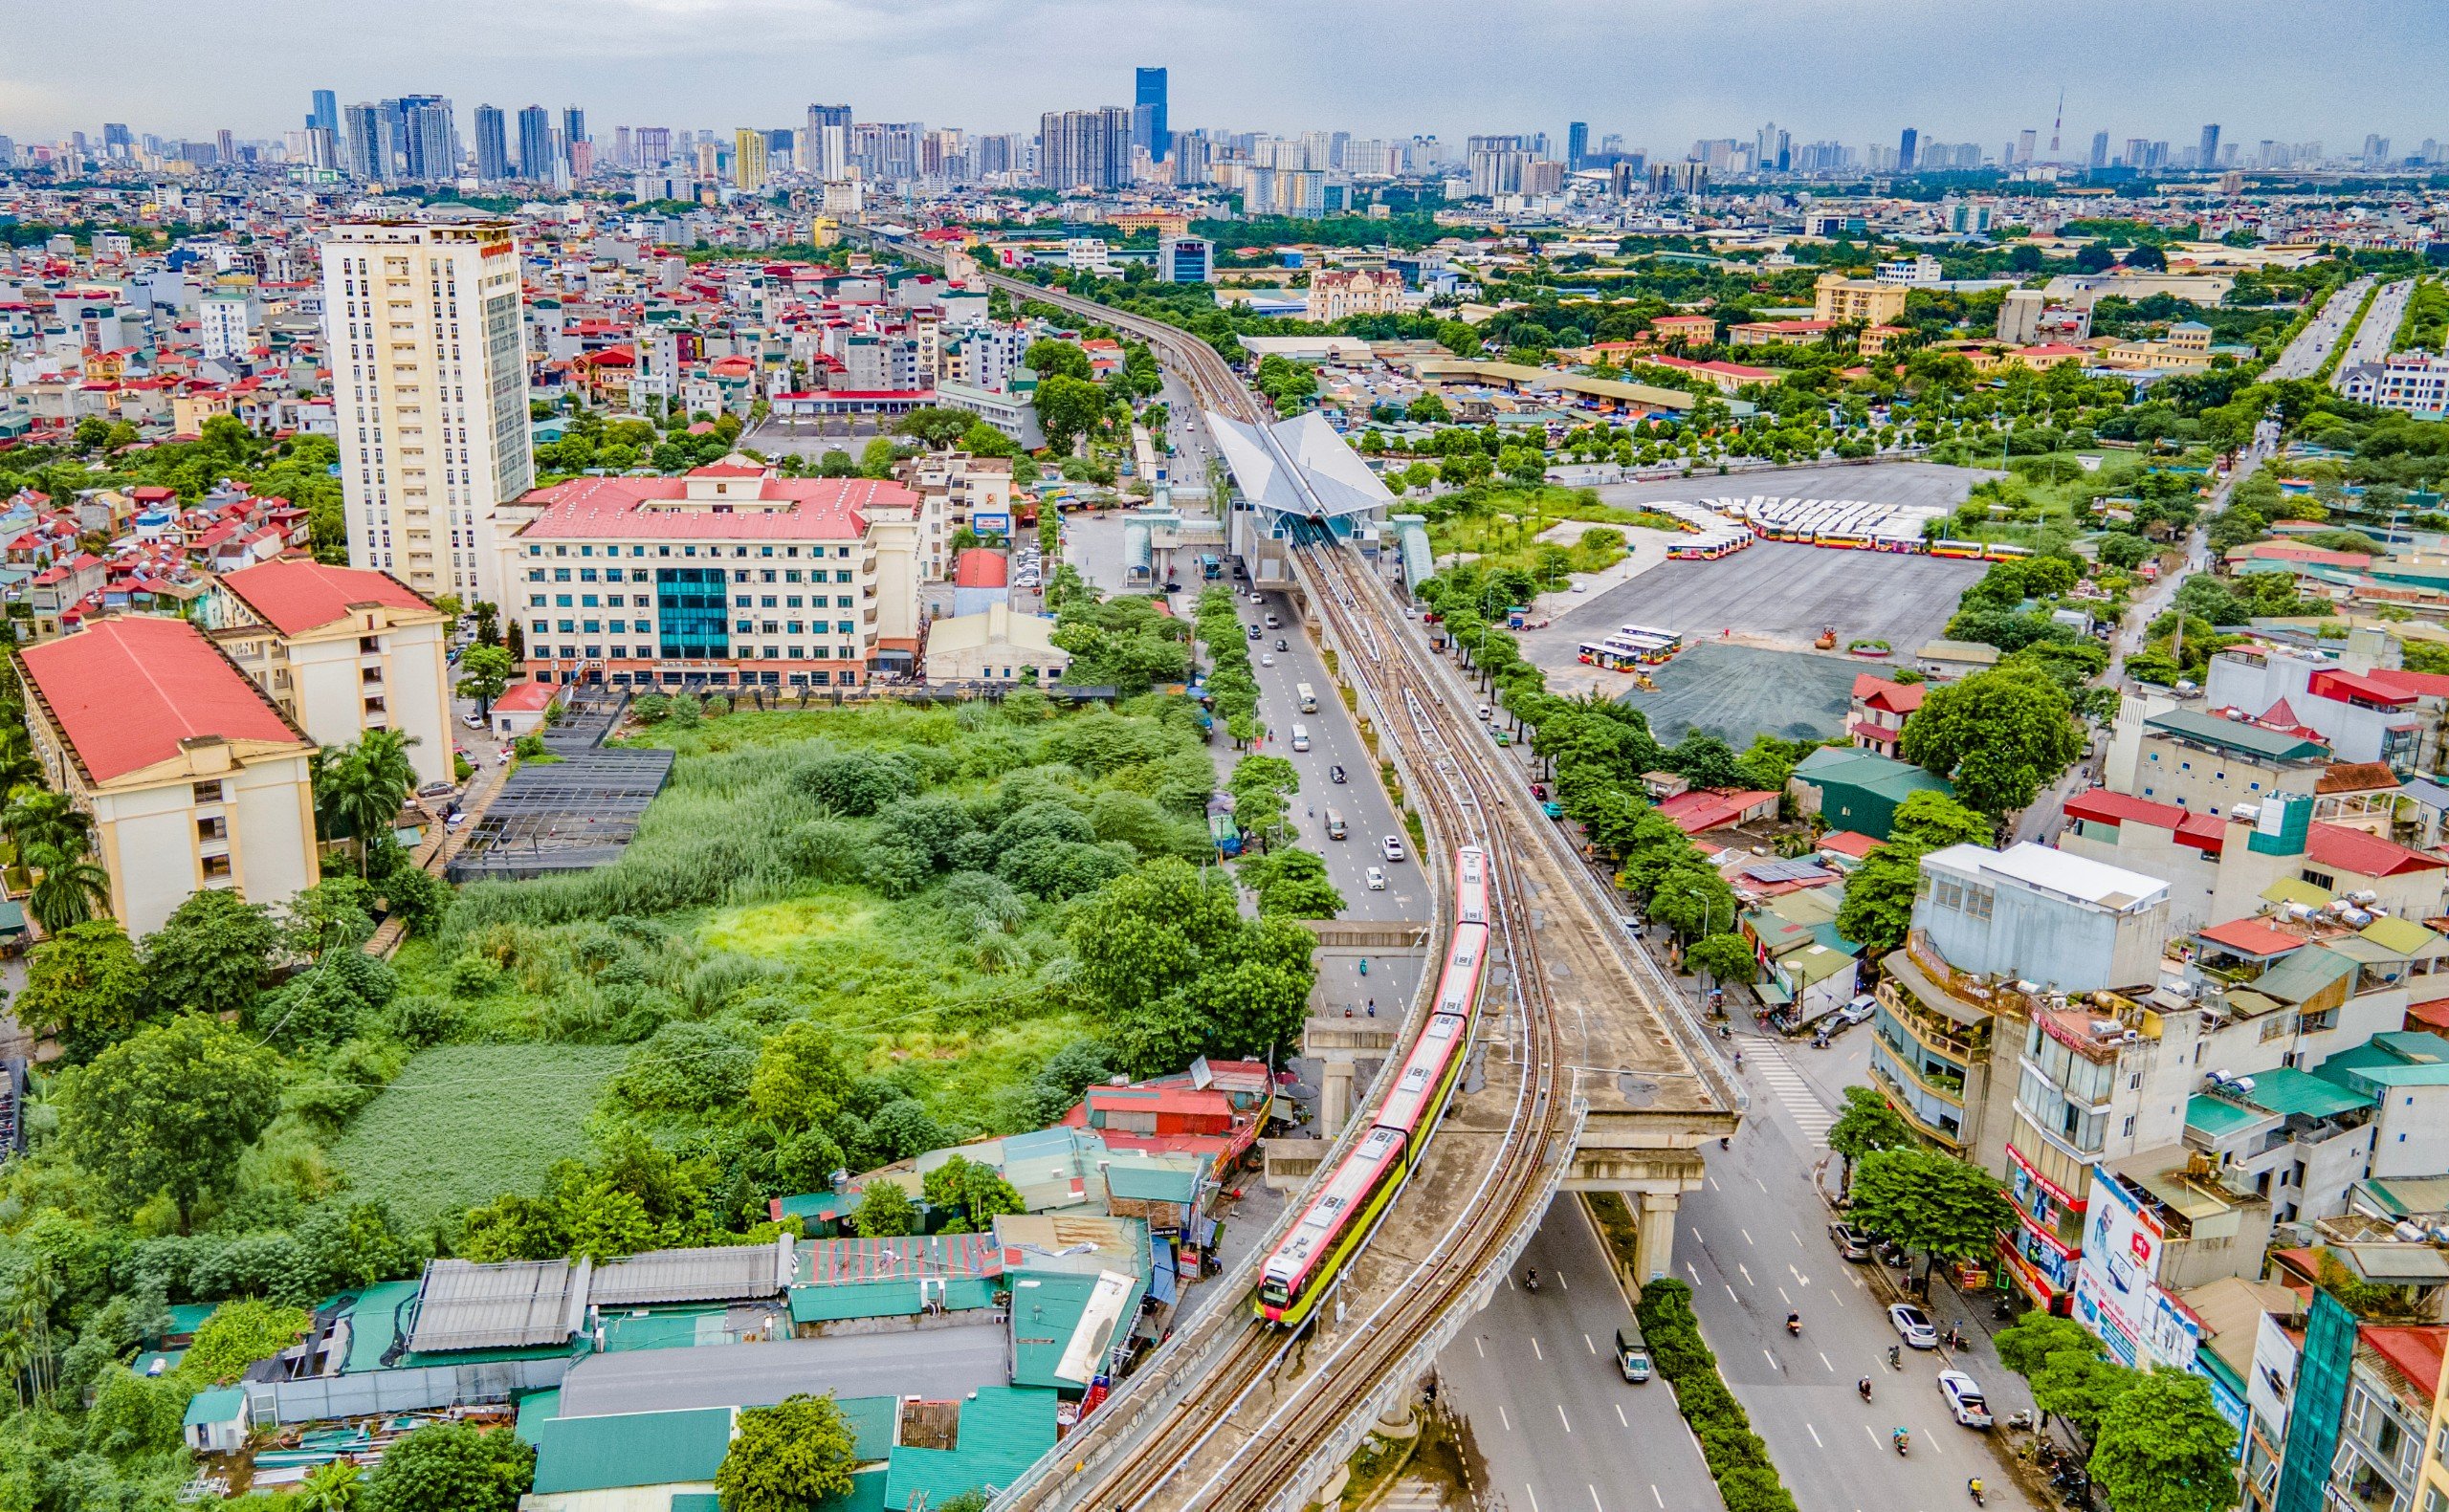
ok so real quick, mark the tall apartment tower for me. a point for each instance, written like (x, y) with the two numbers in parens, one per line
(748, 158)
(2206, 157)
(535, 144)
(326, 111)
(1148, 114)
(1905, 146)
(1576, 143)
(493, 151)
(429, 390)
(573, 137)
(2100, 150)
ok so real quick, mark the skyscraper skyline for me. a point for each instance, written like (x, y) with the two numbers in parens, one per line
(1148, 116)
(535, 144)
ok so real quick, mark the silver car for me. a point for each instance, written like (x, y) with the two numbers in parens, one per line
(1914, 1326)
(1964, 1398)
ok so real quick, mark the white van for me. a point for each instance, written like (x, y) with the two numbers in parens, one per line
(1300, 738)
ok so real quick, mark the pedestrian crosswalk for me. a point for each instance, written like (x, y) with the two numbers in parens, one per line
(1793, 1093)
(1414, 1493)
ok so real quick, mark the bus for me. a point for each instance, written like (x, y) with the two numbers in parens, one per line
(1309, 698)
(1624, 653)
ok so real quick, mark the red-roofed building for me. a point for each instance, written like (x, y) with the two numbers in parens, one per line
(194, 777)
(1880, 711)
(1704, 809)
(1848, 842)
(342, 651)
(731, 576)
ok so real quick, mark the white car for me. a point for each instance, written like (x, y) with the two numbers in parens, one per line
(1266, 658)
(1914, 1326)
(1964, 1398)
(1377, 880)
(1394, 849)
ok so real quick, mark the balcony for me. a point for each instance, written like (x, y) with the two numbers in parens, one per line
(1937, 1128)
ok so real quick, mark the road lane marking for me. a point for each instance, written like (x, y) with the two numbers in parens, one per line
(1535, 1347)
(1800, 1280)
(1477, 1344)
(1757, 1182)
(1534, 1496)
(1832, 1370)
(1561, 1283)
(1770, 1358)
(1815, 1437)
(1746, 1233)
(1586, 1339)
(1783, 1297)
(1729, 1292)
(1797, 1238)
(1866, 1427)
(1594, 1497)
(1695, 1270)
(1509, 1422)
(1655, 1497)
(1714, 1184)
(1620, 1417)
(1562, 1419)
(1747, 1274)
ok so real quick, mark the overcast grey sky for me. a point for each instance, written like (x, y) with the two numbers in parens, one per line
(1663, 71)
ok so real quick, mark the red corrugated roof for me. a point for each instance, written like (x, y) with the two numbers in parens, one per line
(2364, 855)
(1848, 842)
(1703, 809)
(2339, 683)
(520, 697)
(125, 692)
(295, 594)
(2251, 937)
(2422, 685)
(2415, 1351)
(2203, 831)
(981, 568)
(1897, 698)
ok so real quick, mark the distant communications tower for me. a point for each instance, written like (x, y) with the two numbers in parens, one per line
(2057, 121)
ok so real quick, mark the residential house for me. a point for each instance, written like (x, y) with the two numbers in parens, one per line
(344, 650)
(1880, 710)
(194, 776)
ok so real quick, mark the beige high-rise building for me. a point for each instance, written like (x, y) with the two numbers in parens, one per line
(748, 158)
(429, 390)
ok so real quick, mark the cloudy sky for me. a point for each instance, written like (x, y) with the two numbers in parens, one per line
(1663, 71)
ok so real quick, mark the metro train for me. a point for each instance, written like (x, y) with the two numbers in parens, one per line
(1297, 1271)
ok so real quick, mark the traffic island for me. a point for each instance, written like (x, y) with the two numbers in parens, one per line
(1737, 1459)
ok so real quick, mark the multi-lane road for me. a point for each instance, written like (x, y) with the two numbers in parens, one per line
(2305, 355)
(2378, 330)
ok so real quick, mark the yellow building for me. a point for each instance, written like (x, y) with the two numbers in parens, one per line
(194, 777)
(344, 650)
(748, 158)
(2431, 1469)
(1834, 296)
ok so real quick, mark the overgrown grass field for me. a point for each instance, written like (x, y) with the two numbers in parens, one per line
(465, 1123)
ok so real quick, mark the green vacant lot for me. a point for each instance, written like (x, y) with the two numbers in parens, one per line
(465, 1123)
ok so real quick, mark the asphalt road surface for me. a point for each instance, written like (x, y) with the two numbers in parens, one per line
(1535, 1376)
(2379, 329)
(1779, 593)
(1754, 1246)
(1369, 817)
(2306, 354)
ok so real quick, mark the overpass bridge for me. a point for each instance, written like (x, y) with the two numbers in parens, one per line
(1587, 1076)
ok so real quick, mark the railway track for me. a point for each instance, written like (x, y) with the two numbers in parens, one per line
(1231, 1415)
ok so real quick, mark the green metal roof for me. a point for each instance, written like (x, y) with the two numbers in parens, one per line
(631, 1449)
(872, 1421)
(536, 1408)
(1869, 771)
(888, 1297)
(187, 1317)
(1152, 1181)
(2235, 734)
(2303, 973)
(2285, 1089)
(865, 1495)
(220, 1405)
(815, 1207)
(698, 1502)
(1003, 1430)
(2215, 1118)
(1047, 1309)
(2400, 936)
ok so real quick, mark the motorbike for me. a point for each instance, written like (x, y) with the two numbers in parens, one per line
(1895, 1357)
(1903, 1441)
(1974, 1486)
(1863, 1386)
(1794, 1325)
(2021, 1421)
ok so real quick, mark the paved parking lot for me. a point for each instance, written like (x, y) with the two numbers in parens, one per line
(1775, 593)
(1738, 691)
(1885, 482)
(812, 437)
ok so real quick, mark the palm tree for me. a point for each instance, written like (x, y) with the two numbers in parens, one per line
(336, 1487)
(37, 820)
(18, 767)
(359, 789)
(71, 889)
